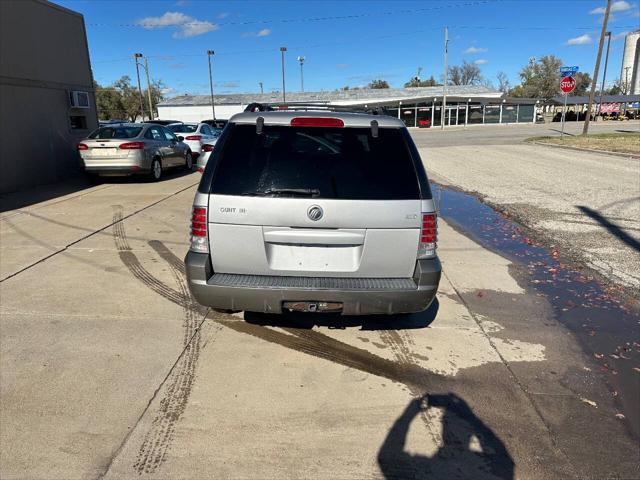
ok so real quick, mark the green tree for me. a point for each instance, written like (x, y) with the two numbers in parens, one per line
(583, 84)
(121, 100)
(539, 79)
(416, 82)
(378, 84)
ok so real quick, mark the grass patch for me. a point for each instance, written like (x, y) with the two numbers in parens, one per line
(609, 142)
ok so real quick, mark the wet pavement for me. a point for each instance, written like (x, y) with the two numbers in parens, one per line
(606, 324)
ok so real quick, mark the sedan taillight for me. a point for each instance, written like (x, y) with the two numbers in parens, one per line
(82, 146)
(193, 137)
(132, 146)
(199, 230)
(428, 235)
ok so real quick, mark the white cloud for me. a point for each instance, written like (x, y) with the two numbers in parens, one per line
(619, 36)
(223, 15)
(481, 61)
(262, 33)
(618, 6)
(474, 50)
(187, 26)
(581, 40)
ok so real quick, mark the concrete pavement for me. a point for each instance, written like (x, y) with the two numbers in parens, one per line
(109, 369)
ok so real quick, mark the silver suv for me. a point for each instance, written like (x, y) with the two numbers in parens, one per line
(315, 211)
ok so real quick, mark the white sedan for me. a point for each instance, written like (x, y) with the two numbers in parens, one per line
(195, 135)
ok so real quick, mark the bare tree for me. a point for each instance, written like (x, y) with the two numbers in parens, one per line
(465, 74)
(503, 82)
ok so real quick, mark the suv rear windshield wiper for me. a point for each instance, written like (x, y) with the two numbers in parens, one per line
(302, 192)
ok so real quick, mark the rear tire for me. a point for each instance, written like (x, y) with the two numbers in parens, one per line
(156, 170)
(188, 162)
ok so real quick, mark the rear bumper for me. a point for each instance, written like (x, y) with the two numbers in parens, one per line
(267, 294)
(116, 170)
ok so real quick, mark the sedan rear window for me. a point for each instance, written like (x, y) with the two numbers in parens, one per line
(116, 132)
(337, 163)
(183, 128)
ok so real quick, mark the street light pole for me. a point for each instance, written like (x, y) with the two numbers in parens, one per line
(135, 57)
(261, 87)
(210, 53)
(604, 73)
(585, 128)
(444, 86)
(284, 94)
(301, 60)
(146, 69)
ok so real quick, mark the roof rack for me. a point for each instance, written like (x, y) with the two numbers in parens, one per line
(273, 107)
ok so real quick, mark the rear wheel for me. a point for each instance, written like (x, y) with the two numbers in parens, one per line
(156, 170)
(188, 161)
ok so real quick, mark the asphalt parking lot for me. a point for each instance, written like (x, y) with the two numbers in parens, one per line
(109, 370)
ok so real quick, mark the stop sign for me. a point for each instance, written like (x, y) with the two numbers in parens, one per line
(567, 84)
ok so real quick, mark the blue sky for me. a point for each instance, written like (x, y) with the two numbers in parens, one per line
(344, 42)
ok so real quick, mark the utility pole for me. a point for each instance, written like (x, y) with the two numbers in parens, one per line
(261, 87)
(594, 82)
(284, 94)
(604, 73)
(444, 86)
(301, 60)
(135, 57)
(146, 69)
(210, 53)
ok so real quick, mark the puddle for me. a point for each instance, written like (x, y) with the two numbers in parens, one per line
(608, 330)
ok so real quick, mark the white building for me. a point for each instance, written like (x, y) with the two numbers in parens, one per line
(466, 104)
(630, 73)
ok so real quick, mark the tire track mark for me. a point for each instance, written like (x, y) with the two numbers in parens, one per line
(177, 386)
(401, 351)
(321, 346)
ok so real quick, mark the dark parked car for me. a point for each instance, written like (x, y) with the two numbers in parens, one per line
(162, 122)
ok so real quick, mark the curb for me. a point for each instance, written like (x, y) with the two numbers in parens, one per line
(580, 149)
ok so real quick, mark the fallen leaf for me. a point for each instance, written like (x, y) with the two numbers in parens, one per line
(620, 416)
(589, 402)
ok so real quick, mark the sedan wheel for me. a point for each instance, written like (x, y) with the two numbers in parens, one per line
(188, 161)
(156, 170)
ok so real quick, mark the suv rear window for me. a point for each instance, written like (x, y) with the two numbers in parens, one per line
(337, 163)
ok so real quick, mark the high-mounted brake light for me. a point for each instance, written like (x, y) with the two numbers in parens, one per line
(317, 122)
(207, 148)
(132, 146)
(199, 230)
(428, 235)
(82, 146)
(193, 137)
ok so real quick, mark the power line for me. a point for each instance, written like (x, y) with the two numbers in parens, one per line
(361, 39)
(155, 24)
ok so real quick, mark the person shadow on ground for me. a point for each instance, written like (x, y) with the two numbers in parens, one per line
(469, 450)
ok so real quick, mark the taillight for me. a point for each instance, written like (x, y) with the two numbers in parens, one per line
(82, 146)
(199, 230)
(193, 137)
(207, 148)
(316, 122)
(428, 235)
(132, 146)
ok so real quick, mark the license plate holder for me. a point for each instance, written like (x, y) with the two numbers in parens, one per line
(312, 306)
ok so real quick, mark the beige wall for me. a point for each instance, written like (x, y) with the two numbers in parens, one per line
(43, 56)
